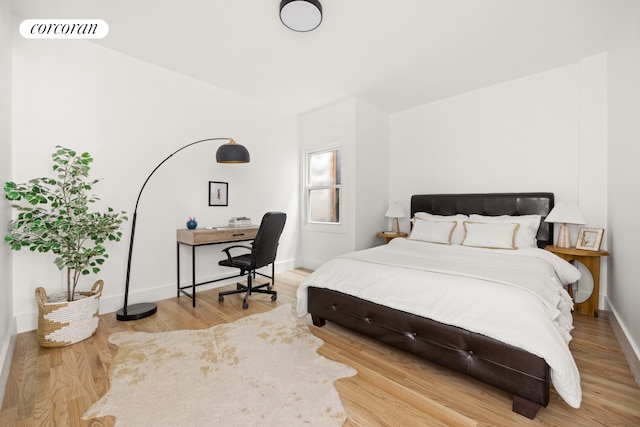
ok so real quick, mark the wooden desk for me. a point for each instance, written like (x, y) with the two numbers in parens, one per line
(202, 237)
(591, 260)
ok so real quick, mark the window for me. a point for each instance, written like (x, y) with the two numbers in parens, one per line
(323, 186)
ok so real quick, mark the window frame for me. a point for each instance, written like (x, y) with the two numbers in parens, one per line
(307, 224)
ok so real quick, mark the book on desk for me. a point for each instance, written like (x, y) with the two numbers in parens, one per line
(235, 222)
(240, 221)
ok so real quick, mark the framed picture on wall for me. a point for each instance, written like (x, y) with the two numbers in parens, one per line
(589, 239)
(218, 193)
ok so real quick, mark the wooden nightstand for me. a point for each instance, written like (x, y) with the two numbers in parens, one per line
(591, 260)
(390, 235)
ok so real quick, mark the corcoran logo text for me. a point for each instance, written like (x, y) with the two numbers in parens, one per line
(64, 28)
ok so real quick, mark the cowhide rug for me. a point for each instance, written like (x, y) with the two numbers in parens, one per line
(262, 370)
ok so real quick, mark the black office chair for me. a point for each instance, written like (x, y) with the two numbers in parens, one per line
(263, 252)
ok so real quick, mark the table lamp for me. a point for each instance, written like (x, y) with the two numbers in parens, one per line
(395, 211)
(565, 213)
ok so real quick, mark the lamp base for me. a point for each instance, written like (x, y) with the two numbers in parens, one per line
(137, 311)
(564, 240)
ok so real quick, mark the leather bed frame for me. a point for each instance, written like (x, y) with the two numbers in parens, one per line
(522, 374)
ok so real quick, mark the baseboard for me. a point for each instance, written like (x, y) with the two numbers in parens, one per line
(114, 303)
(628, 347)
(6, 355)
(311, 263)
(109, 304)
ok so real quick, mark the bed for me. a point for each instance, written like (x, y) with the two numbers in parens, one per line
(446, 302)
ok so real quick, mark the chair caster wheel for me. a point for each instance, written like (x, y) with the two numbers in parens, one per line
(274, 297)
(270, 287)
(220, 298)
(245, 305)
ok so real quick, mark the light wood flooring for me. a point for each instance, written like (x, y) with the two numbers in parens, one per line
(392, 388)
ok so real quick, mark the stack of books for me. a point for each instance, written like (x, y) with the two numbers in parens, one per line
(240, 221)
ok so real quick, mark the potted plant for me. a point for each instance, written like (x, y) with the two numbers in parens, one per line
(54, 216)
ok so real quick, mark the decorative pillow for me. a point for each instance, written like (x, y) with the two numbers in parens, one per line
(458, 231)
(493, 235)
(526, 237)
(432, 231)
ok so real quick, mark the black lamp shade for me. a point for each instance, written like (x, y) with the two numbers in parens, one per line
(301, 15)
(232, 153)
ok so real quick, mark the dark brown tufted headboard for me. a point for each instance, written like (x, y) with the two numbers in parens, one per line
(490, 204)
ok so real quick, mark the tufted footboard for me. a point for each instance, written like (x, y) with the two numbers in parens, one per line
(508, 368)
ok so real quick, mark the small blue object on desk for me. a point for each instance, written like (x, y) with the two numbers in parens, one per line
(192, 224)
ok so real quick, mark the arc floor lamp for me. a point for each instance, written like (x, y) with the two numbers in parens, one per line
(227, 153)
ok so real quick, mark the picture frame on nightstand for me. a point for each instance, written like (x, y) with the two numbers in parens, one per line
(589, 239)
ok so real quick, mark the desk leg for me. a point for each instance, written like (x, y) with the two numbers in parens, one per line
(193, 274)
(178, 268)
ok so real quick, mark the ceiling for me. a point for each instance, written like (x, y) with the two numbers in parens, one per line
(392, 54)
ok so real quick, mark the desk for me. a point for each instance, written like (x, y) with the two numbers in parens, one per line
(202, 237)
(591, 260)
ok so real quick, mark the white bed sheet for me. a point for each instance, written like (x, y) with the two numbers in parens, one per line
(515, 296)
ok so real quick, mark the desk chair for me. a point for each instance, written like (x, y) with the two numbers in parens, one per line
(262, 253)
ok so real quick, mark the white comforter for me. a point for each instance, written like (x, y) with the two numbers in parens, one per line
(514, 296)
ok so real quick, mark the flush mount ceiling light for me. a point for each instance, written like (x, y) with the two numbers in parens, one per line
(301, 15)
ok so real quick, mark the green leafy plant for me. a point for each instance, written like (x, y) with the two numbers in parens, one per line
(54, 216)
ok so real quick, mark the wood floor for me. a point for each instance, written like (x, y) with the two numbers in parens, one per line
(392, 388)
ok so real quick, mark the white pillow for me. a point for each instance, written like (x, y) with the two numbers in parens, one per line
(526, 236)
(493, 235)
(432, 231)
(458, 232)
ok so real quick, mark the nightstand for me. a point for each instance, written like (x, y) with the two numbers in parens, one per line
(390, 235)
(591, 260)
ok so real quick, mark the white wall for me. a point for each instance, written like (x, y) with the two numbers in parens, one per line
(372, 174)
(593, 166)
(334, 124)
(623, 226)
(129, 115)
(7, 323)
(362, 130)
(520, 135)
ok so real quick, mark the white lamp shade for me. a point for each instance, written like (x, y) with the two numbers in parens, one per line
(566, 213)
(395, 211)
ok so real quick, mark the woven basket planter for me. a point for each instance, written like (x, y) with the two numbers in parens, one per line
(62, 322)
